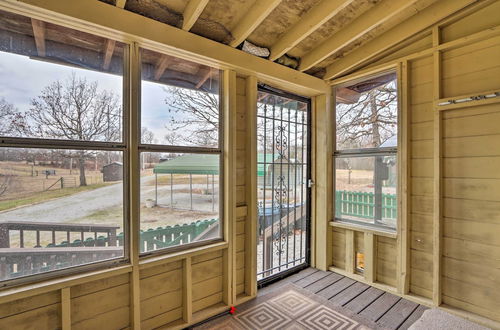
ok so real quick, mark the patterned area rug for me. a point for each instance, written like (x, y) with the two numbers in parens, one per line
(290, 307)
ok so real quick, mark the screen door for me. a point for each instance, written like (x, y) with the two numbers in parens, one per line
(283, 156)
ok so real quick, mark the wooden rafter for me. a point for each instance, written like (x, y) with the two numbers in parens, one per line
(120, 3)
(162, 66)
(205, 77)
(379, 14)
(109, 48)
(193, 10)
(427, 17)
(39, 34)
(260, 10)
(308, 23)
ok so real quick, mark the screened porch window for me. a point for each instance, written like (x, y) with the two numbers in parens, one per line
(180, 153)
(366, 152)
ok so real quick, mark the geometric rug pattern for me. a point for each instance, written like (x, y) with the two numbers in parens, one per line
(290, 308)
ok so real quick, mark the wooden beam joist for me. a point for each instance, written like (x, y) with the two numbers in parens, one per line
(205, 77)
(375, 16)
(309, 23)
(415, 24)
(193, 10)
(109, 48)
(39, 34)
(162, 66)
(120, 3)
(260, 10)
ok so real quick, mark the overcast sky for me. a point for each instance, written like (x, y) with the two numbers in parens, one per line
(22, 79)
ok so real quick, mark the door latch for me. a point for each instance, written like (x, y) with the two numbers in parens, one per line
(310, 183)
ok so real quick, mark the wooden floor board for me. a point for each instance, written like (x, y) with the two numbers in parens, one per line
(380, 306)
(387, 310)
(314, 277)
(336, 287)
(324, 282)
(395, 316)
(349, 294)
(303, 273)
(413, 317)
(364, 299)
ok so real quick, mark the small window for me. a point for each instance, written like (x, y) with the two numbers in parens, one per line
(181, 153)
(366, 152)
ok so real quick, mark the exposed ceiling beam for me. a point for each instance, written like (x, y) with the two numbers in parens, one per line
(39, 34)
(162, 66)
(375, 16)
(310, 22)
(424, 19)
(120, 3)
(204, 78)
(193, 10)
(95, 16)
(252, 19)
(109, 48)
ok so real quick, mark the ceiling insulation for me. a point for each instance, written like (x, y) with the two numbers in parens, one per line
(218, 18)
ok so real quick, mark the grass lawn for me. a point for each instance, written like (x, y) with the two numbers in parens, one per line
(46, 195)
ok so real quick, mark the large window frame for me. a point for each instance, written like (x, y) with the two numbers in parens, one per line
(131, 147)
(370, 152)
(122, 146)
(164, 148)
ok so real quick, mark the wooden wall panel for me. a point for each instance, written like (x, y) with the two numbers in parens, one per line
(104, 302)
(339, 251)
(471, 244)
(386, 258)
(38, 312)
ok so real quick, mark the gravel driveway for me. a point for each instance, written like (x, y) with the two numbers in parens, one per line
(83, 204)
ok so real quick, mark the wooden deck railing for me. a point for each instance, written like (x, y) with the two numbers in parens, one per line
(362, 204)
(16, 262)
(38, 227)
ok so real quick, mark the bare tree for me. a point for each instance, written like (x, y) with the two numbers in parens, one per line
(12, 121)
(76, 109)
(195, 113)
(369, 122)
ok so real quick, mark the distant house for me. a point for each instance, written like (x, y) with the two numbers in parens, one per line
(112, 172)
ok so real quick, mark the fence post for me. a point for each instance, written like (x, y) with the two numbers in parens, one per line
(62, 183)
(4, 236)
(338, 204)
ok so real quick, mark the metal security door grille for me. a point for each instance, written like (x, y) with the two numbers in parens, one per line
(283, 157)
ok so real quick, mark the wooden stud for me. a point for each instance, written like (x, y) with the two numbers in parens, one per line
(309, 22)
(349, 251)
(109, 48)
(162, 65)
(413, 25)
(187, 291)
(193, 10)
(404, 161)
(252, 19)
(324, 131)
(437, 216)
(370, 271)
(134, 184)
(375, 16)
(39, 35)
(251, 187)
(66, 308)
(229, 106)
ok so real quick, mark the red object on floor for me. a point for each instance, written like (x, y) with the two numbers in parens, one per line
(232, 310)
